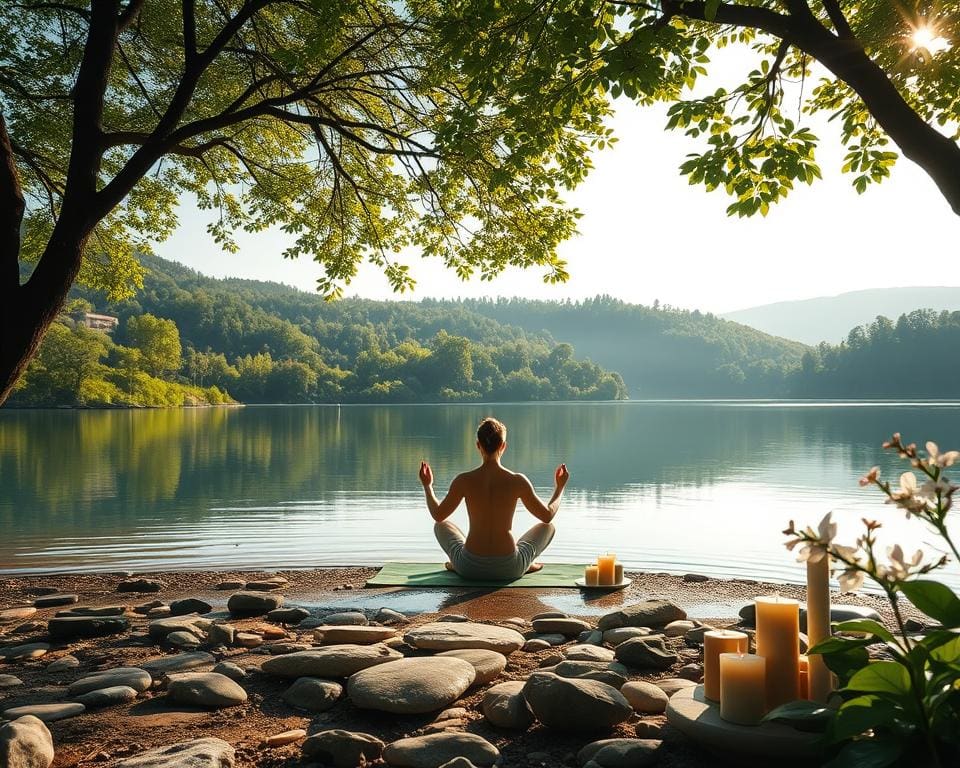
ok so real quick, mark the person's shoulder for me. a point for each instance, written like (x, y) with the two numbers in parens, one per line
(519, 478)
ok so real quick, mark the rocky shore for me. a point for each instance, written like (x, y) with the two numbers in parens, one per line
(208, 670)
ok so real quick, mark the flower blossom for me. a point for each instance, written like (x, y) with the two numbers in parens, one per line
(871, 477)
(941, 460)
(850, 580)
(908, 496)
(899, 569)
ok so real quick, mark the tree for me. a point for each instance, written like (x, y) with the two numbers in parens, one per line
(159, 343)
(334, 120)
(892, 75)
(67, 359)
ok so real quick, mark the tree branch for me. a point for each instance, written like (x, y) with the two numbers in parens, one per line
(12, 207)
(189, 29)
(129, 14)
(839, 21)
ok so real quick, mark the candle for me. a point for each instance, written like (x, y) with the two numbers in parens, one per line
(818, 626)
(715, 642)
(778, 641)
(742, 688)
(618, 573)
(606, 564)
(804, 677)
(590, 575)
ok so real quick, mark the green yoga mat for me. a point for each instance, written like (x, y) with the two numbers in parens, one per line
(435, 575)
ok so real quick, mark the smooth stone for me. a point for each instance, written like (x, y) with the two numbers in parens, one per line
(620, 753)
(189, 605)
(565, 627)
(453, 617)
(330, 661)
(159, 613)
(552, 660)
(313, 694)
(288, 615)
(645, 653)
(695, 636)
(47, 712)
(24, 652)
(590, 637)
(265, 585)
(105, 610)
(678, 628)
(221, 634)
(158, 629)
(287, 737)
(342, 749)
(63, 663)
(132, 677)
(224, 585)
(670, 685)
(549, 615)
(611, 673)
(692, 672)
(50, 601)
(435, 749)
(346, 618)
(574, 704)
(534, 645)
(231, 670)
(554, 638)
(253, 603)
(69, 627)
(140, 585)
(9, 681)
(748, 614)
(411, 686)
(445, 636)
(16, 614)
(695, 578)
(205, 689)
(488, 665)
(186, 640)
(248, 639)
(505, 706)
(180, 662)
(648, 613)
(359, 635)
(276, 649)
(589, 653)
(622, 634)
(646, 729)
(390, 616)
(106, 697)
(26, 743)
(645, 698)
(207, 752)
(145, 608)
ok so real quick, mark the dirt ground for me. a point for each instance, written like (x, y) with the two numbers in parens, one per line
(98, 738)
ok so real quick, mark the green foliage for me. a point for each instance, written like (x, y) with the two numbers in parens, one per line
(158, 342)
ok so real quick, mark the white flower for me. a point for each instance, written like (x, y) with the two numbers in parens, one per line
(816, 550)
(871, 477)
(906, 497)
(899, 568)
(942, 460)
(850, 580)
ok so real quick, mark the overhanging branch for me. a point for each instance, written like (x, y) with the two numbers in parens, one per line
(12, 207)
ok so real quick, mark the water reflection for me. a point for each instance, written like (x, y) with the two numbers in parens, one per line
(669, 486)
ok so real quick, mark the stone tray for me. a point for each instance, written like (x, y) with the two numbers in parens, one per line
(690, 712)
(582, 583)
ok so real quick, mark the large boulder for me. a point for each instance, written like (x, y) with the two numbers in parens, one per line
(448, 636)
(434, 750)
(646, 653)
(199, 753)
(411, 686)
(205, 689)
(505, 706)
(648, 613)
(253, 603)
(575, 704)
(26, 743)
(342, 749)
(330, 661)
(133, 677)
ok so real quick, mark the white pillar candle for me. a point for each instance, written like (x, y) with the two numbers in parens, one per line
(742, 688)
(715, 642)
(819, 678)
(778, 641)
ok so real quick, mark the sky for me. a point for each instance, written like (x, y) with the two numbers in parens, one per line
(647, 234)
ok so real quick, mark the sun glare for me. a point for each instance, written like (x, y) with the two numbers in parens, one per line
(926, 37)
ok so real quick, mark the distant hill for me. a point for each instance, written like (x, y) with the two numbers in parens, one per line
(830, 318)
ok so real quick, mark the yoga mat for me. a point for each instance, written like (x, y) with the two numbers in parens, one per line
(435, 575)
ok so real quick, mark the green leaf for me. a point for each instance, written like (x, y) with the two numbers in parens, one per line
(882, 677)
(803, 715)
(835, 644)
(872, 753)
(859, 715)
(936, 600)
(947, 653)
(867, 627)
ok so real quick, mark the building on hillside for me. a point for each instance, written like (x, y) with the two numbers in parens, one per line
(106, 323)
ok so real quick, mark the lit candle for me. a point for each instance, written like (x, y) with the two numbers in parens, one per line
(804, 677)
(607, 566)
(778, 641)
(618, 573)
(818, 626)
(590, 575)
(742, 688)
(715, 642)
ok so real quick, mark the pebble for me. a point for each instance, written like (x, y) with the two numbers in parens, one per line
(70, 627)
(185, 640)
(589, 653)
(622, 634)
(444, 636)
(552, 660)
(224, 585)
(205, 689)
(574, 704)
(198, 753)
(133, 677)
(140, 585)
(247, 640)
(644, 697)
(159, 613)
(63, 663)
(620, 753)
(678, 628)
(231, 670)
(436, 749)
(267, 585)
(24, 652)
(47, 712)
(103, 610)
(359, 635)
(647, 729)
(16, 614)
(411, 686)
(346, 618)
(330, 661)
(275, 649)
(390, 616)
(9, 681)
(590, 637)
(342, 749)
(288, 615)
(221, 634)
(488, 665)
(645, 653)
(253, 603)
(554, 638)
(534, 645)
(313, 694)
(695, 578)
(695, 636)
(692, 672)
(505, 706)
(565, 627)
(648, 613)
(106, 697)
(145, 608)
(453, 617)
(26, 743)
(50, 601)
(189, 605)
(160, 628)
(180, 662)
(287, 737)
(670, 685)
(549, 615)
(611, 673)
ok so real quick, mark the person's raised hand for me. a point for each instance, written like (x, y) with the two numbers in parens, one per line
(426, 474)
(561, 476)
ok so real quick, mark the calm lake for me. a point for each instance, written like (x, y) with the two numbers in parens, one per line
(700, 487)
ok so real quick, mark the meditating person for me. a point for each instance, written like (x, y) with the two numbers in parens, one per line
(491, 492)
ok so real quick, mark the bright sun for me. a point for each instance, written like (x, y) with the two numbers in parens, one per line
(926, 37)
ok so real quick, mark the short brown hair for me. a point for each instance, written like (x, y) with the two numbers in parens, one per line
(491, 434)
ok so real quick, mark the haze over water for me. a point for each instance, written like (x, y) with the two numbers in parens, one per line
(700, 487)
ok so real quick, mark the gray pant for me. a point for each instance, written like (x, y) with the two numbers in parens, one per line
(506, 567)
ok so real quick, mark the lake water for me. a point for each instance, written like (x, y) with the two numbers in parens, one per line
(700, 487)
